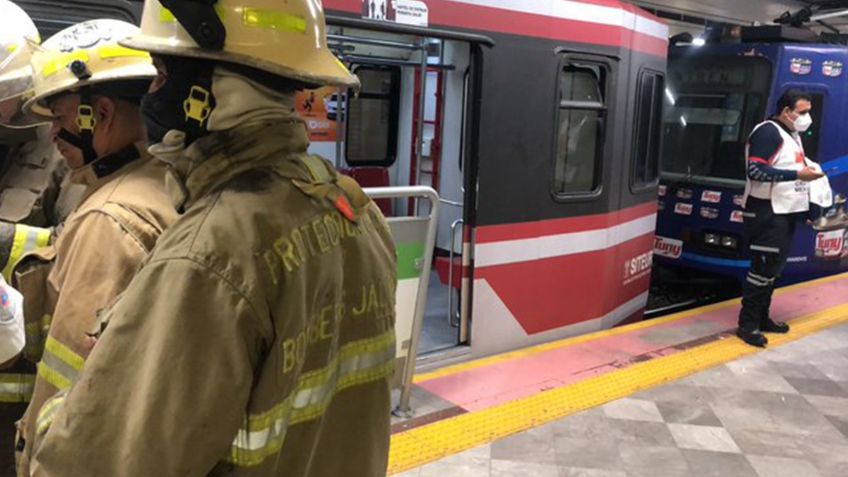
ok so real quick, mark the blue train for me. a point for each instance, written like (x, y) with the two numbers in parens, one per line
(716, 94)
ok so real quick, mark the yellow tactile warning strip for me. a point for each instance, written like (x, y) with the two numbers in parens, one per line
(522, 353)
(425, 444)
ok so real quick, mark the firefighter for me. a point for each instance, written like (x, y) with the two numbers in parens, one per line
(34, 199)
(90, 88)
(259, 337)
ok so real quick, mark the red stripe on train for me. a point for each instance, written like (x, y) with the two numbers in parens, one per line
(548, 294)
(476, 17)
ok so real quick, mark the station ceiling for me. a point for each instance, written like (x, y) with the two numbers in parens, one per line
(744, 12)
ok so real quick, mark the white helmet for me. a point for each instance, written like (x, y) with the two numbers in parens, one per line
(12, 333)
(83, 55)
(284, 38)
(86, 59)
(18, 39)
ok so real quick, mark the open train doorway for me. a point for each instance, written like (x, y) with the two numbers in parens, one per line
(412, 123)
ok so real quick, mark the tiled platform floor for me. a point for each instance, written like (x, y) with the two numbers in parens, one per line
(781, 412)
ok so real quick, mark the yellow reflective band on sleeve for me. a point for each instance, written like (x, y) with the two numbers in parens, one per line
(33, 328)
(27, 239)
(256, 18)
(16, 388)
(55, 348)
(42, 237)
(59, 366)
(358, 363)
(48, 412)
(53, 377)
(61, 61)
(34, 340)
(35, 333)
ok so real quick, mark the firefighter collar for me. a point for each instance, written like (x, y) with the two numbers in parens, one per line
(213, 159)
(92, 173)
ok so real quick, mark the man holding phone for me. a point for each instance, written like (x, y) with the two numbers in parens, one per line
(777, 197)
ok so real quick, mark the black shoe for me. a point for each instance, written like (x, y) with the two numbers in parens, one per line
(769, 326)
(753, 338)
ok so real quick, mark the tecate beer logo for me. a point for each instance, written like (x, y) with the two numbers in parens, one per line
(736, 216)
(737, 200)
(832, 69)
(801, 66)
(661, 191)
(709, 212)
(685, 194)
(683, 209)
(830, 244)
(711, 196)
(667, 247)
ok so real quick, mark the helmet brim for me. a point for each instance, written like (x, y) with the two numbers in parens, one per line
(329, 71)
(37, 105)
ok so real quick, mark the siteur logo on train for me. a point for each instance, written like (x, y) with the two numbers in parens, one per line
(638, 267)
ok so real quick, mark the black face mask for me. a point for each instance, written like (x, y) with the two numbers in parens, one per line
(161, 114)
(164, 109)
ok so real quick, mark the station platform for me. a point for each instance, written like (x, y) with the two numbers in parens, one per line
(679, 395)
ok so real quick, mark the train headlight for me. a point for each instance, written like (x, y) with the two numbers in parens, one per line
(711, 239)
(728, 242)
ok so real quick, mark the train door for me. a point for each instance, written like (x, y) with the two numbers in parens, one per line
(585, 172)
(408, 126)
(643, 144)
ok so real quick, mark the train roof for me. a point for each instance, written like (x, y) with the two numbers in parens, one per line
(599, 22)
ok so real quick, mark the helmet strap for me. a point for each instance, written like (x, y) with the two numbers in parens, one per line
(199, 102)
(183, 103)
(86, 123)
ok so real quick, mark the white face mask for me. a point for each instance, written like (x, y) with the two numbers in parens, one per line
(802, 122)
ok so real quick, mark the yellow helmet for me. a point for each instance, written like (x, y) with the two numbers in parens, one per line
(85, 55)
(284, 38)
(18, 39)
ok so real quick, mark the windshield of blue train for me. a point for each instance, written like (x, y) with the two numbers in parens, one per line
(711, 105)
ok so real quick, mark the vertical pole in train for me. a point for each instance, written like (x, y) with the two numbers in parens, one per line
(341, 114)
(451, 255)
(422, 104)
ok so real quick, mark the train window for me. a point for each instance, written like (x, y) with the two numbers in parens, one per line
(372, 120)
(711, 106)
(646, 145)
(579, 141)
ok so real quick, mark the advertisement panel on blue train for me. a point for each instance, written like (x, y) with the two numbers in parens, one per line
(716, 95)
